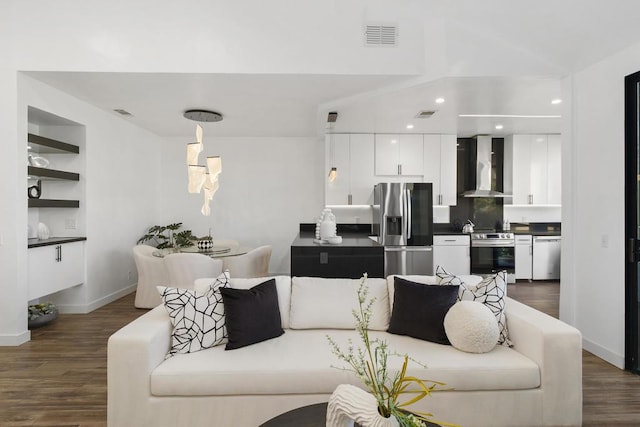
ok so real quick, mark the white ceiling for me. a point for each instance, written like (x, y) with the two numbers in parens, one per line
(294, 105)
(556, 38)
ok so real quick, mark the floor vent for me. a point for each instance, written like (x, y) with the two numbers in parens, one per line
(424, 114)
(381, 35)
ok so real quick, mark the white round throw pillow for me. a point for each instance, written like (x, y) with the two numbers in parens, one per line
(471, 327)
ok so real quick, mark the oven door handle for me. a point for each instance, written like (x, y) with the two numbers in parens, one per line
(485, 244)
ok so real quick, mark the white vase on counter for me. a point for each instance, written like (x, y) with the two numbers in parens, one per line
(326, 226)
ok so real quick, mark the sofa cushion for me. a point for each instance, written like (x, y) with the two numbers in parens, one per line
(491, 291)
(299, 362)
(426, 280)
(329, 303)
(419, 310)
(198, 319)
(252, 315)
(471, 327)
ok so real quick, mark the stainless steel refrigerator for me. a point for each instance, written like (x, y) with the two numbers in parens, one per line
(403, 222)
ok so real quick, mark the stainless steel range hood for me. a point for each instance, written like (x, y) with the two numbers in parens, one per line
(483, 171)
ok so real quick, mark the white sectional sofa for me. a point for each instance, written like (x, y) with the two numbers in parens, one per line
(536, 382)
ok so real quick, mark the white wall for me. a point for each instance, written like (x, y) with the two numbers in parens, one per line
(532, 213)
(593, 277)
(268, 186)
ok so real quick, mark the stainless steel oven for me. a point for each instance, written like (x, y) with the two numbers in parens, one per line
(492, 252)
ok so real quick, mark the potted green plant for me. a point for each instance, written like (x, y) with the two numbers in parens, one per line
(41, 314)
(168, 236)
(391, 391)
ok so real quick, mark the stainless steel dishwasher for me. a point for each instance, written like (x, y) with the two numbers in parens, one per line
(546, 257)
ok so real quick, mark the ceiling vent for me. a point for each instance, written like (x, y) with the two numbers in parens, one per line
(381, 35)
(123, 112)
(424, 114)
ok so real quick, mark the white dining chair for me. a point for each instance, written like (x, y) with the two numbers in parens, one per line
(254, 263)
(185, 268)
(151, 273)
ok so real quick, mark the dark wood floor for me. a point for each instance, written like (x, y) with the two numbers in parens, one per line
(59, 377)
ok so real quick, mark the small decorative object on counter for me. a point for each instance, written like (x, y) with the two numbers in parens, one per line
(326, 226)
(43, 231)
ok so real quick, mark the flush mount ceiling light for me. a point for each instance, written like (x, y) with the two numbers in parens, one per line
(202, 115)
(202, 178)
(556, 101)
(499, 127)
(439, 100)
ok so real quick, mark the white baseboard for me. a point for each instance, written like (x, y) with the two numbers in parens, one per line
(89, 307)
(603, 353)
(15, 339)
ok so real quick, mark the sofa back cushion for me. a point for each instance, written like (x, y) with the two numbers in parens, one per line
(318, 303)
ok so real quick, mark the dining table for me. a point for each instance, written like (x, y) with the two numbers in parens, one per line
(214, 252)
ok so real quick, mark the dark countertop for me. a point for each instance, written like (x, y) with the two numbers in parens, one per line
(36, 243)
(348, 240)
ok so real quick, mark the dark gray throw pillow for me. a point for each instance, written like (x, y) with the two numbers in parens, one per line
(252, 315)
(419, 310)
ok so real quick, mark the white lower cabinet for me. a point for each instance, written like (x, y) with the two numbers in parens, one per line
(524, 257)
(546, 257)
(453, 253)
(54, 268)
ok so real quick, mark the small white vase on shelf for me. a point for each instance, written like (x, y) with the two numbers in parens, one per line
(43, 231)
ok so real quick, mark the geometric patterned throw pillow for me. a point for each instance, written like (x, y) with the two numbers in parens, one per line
(198, 318)
(491, 292)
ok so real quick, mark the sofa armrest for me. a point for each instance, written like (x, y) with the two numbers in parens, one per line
(557, 349)
(133, 352)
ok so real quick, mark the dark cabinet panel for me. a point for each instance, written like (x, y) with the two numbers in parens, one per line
(337, 262)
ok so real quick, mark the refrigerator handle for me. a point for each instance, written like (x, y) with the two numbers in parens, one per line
(408, 212)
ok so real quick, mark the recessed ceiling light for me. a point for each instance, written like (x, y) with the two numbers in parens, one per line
(439, 100)
(409, 126)
(509, 116)
(394, 141)
(499, 127)
(556, 101)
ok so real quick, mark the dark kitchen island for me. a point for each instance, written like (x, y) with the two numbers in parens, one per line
(356, 255)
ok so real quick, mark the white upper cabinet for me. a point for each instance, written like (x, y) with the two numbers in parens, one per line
(554, 173)
(352, 156)
(440, 166)
(532, 169)
(398, 154)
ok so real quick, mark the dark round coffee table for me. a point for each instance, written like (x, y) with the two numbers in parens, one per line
(307, 416)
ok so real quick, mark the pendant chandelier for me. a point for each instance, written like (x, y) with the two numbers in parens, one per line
(202, 179)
